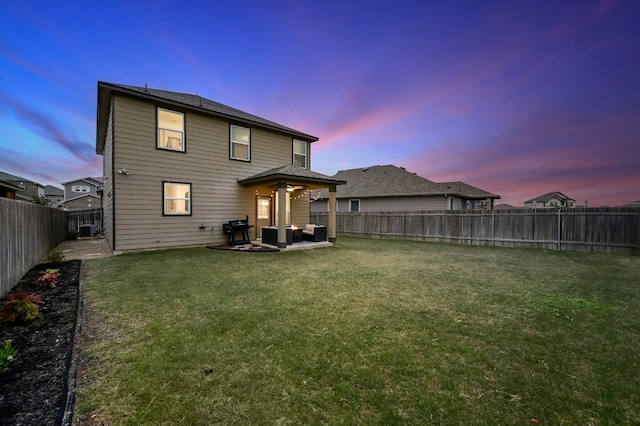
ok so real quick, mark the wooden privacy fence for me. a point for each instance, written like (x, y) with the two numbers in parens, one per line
(28, 232)
(77, 218)
(610, 230)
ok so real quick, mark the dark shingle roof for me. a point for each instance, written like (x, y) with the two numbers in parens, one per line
(187, 100)
(385, 181)
(468, 191)
(52, 190)
(291, 173)
(393, 181)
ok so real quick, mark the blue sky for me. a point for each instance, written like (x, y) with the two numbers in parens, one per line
(518, 98)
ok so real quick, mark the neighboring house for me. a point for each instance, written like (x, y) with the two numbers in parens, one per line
(8, 190)
(83, 202)
(391, 188)
(28, 189)
(635, 204)
(83, 193)
(468, 197)
(504, 206)
(178, 166)
(54, 195)
(550, 200)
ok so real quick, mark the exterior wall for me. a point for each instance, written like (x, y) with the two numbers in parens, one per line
(69, 194)
(216, 195)
(107, 169)
(82, 202)
(386, 204)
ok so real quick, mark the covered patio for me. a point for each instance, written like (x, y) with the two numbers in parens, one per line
(296, 181)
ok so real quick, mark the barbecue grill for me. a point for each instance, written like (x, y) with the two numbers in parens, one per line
(233, 227)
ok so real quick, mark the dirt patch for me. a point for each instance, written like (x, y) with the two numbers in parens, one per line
(33, 389)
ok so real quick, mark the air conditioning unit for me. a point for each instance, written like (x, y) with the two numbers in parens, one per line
(87, 230)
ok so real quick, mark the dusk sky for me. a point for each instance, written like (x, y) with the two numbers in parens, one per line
(519, 98)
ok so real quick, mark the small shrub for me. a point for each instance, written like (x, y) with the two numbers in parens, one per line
(20, 307)
(54, 255)
(7, 354)
(49, 277)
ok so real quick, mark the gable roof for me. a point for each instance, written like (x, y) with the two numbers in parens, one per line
(384, 181)
(185, 101)
(468, 191)
(549, 196)
(291, 174)
(90, 180)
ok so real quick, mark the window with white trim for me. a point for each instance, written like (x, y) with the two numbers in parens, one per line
(240, 144)
(80, 188)
(300, 153)
(177, 198)
(171, 130)
(354, 205)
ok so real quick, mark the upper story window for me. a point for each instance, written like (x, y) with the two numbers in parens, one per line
(177, 198)
(300, 153)
(79, 188)
(240, 145)
(171, 130)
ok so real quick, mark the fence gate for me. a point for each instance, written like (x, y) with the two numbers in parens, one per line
(84, 223)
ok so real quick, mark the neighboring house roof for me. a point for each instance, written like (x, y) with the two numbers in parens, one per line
(549, 196)
(469, 191)
(9, 178)
(292, 174)
(52, 191)
(633, 204)
(9, 185)
(184, 100)
(82, 196)
(393, 181)
(383, 181)
(89, 180)
(504, 206)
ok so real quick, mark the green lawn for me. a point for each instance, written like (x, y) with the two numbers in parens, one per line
(365, 332)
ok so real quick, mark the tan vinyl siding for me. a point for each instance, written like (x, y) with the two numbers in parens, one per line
(216, 196)
(107, 195)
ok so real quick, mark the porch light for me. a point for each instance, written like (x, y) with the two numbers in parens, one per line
(289, 188)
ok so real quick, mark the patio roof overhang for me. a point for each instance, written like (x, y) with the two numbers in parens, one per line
(291, 175)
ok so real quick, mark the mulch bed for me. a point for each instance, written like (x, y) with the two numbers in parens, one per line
(34, 388)
(243, 247)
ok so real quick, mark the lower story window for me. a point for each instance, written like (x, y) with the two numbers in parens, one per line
(177, 198)
(354, 205)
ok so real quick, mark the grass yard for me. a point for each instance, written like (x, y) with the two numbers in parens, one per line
(365, 332)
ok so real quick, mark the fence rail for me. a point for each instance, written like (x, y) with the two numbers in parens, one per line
(610, 230)
(28, 232)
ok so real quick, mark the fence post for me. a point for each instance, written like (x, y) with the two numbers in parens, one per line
(493, 228)
(404, 228)
(559, 229)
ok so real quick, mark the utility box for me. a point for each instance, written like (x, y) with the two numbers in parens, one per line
(87, 230)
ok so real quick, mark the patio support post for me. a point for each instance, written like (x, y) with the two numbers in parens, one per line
(282, 215)
(332, 214)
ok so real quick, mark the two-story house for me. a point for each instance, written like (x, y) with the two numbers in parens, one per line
(178, 166)
(550, 200)
(83, 193)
